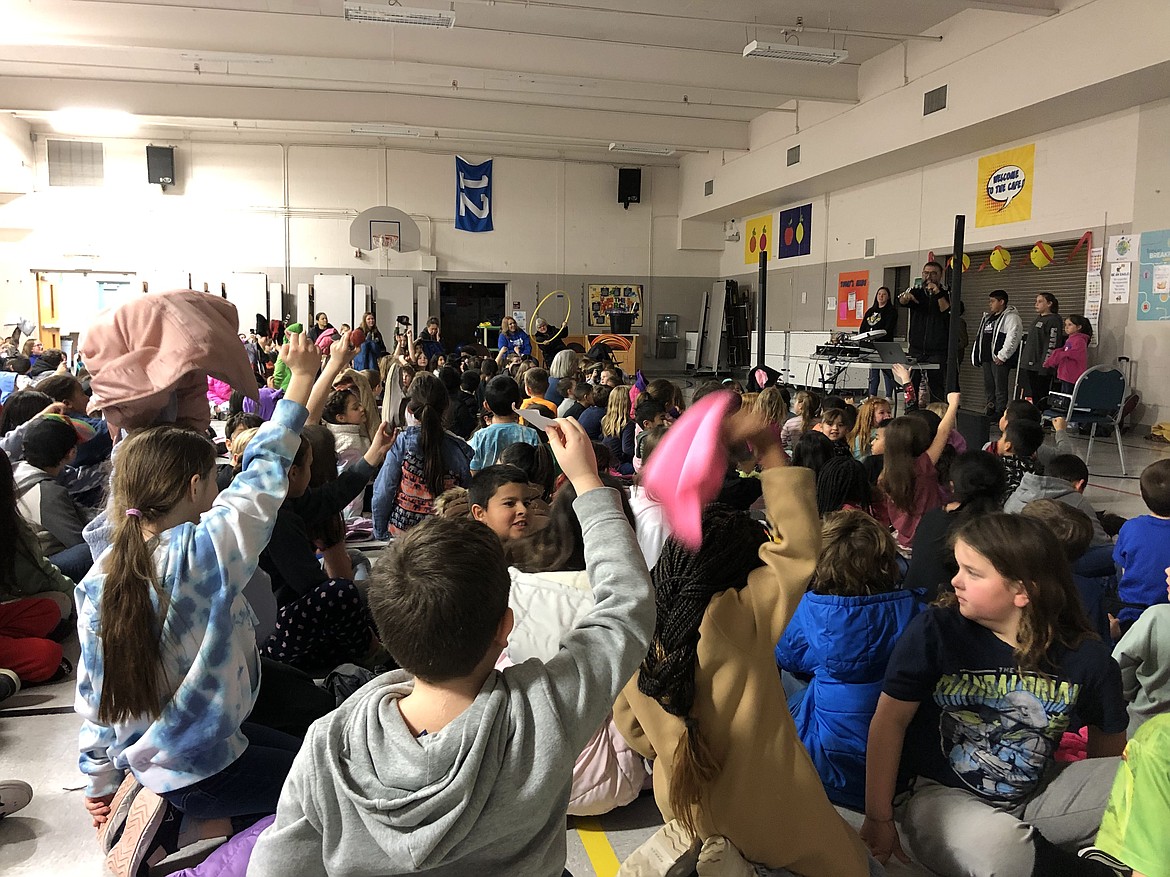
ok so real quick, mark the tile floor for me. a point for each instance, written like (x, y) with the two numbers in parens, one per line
(38, 743)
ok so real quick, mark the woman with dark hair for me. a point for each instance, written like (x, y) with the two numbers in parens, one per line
(882, 316)
(1042, 336)
(373, 348)
(977, 484)
(320, 324)
(425, 461)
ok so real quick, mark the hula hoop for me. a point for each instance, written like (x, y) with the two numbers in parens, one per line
(540, 304)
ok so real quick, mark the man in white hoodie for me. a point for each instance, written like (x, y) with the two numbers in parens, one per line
(997, 349)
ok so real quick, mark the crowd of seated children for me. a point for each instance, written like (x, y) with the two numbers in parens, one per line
(17, 414)
(234, 427)
(839, 642)
(1142, 551)
(805, 407)
(590, 419)
(976, 697)
(538, 464)
(424, 461)
(909, 481)
(358, 383)
(504, 742)
(465, 407)
(812, 451)
(977, 488)
(501, 399)
(50, 444)
(1017, 451)
(499, 498)
(85, 477)
(707, 703)
(772, 406)
(535, 386)
(834, 426)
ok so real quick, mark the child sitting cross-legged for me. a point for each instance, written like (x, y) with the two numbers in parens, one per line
(977, 695)
(1143, 547)
(707, 703)
(841, 636)
(450, 766)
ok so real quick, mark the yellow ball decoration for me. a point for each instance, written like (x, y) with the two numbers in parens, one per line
(1000, 258)
(1042, 255)
(966, 262)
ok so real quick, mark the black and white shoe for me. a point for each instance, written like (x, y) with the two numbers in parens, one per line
(9, 684)
(1093, 854)
(14, 795)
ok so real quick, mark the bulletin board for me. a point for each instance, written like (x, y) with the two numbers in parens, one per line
(604, 298)
(1154, 276)
(852, 298)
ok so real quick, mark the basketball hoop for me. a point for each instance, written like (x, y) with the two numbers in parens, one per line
(386, 241)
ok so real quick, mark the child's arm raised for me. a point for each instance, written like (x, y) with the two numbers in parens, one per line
(883, 754)
(602, 652)
(945, 428)
(341, 354)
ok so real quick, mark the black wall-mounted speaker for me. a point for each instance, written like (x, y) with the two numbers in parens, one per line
(629, 186)
(160, 165)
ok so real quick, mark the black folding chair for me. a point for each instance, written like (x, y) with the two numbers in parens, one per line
(1096, 400)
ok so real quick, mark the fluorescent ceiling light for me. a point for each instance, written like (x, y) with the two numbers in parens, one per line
(93, 122)
(642, 148)
(794, 52)
(385, 131)
(357, 11)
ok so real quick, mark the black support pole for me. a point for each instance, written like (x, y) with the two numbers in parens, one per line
(761, 306)
(952, 382)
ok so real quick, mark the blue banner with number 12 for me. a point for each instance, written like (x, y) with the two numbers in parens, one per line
(473, 195)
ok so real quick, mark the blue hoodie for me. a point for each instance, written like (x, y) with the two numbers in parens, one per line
(844, 643)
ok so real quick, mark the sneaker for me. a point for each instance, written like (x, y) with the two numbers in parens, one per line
(64, 671)
(9, 684)
(720, 858)
(670, 852)
(1093, 854)
(109, 830)
(137, 844)
(14, 795)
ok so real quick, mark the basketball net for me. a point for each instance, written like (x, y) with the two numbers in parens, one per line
(386, 241)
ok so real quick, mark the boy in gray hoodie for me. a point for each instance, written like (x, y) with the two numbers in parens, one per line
(448, 766)
(1065, 478)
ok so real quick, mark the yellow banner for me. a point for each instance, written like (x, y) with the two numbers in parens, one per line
(1005, 186)
(757, 236)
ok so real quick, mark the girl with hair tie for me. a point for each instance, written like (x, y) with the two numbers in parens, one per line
(707, 702)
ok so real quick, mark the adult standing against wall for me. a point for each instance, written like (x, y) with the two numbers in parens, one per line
(513, 338)
(1044, 335)
(373, 348)
(430, 340)
(928, 330)
(320, 324)
(997, 349)
(882, 316)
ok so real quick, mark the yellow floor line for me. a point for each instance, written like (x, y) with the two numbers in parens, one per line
(601, 855)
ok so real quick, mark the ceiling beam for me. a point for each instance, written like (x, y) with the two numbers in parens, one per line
(1045, 8)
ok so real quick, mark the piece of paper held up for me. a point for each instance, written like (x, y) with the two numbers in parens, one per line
(535, 418)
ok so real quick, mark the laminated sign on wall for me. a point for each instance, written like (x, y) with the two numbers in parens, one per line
(473, 195)
(1005, 186)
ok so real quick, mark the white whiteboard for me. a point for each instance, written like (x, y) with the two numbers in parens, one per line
(423, 301)
(393, 297)
(361, 301)
(333, 294)
(249, 293)
(302, 315)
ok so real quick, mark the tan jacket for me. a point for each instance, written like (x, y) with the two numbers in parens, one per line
(768, 799)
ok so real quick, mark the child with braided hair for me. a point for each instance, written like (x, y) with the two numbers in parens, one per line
(707, 702)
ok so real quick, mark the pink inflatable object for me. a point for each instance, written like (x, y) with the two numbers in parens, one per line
(686, 470)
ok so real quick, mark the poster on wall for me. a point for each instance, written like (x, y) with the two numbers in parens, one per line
(1122, 248)
(757, 237)
(1119, 277)
(852, 295)
(1154, 276)
(623, 298)
(1005, 186)
(1093, 286)
(795, 231)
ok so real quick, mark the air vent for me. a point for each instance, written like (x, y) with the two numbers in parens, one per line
(870, 248)
(793, 155)
(708, 188)
(75, 163)
(934, 100)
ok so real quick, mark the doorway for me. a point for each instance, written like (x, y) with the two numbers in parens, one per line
(464, 305)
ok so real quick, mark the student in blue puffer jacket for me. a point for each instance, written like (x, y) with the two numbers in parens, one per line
(840, 640)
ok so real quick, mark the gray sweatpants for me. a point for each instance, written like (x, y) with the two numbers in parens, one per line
(952, 832)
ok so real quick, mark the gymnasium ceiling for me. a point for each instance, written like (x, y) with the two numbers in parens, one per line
(512, 77)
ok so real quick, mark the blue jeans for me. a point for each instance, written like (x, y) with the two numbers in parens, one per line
(889, 380)
(73, 562)
(249, 786)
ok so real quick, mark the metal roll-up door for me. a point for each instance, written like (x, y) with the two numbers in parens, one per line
(1022, 281)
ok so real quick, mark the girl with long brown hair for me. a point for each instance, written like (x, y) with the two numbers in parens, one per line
(169, 670)
(977, 695)
(707, 702)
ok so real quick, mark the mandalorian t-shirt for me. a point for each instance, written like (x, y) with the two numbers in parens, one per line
(983, 724)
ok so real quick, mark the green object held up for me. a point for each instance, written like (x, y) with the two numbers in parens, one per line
(295, 327)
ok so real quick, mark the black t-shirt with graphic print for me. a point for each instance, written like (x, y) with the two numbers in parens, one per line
(983, 725)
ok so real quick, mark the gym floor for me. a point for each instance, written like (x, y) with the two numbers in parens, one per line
(53, 835)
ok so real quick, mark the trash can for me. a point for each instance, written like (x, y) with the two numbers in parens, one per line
(666, 337)
(621, 323)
